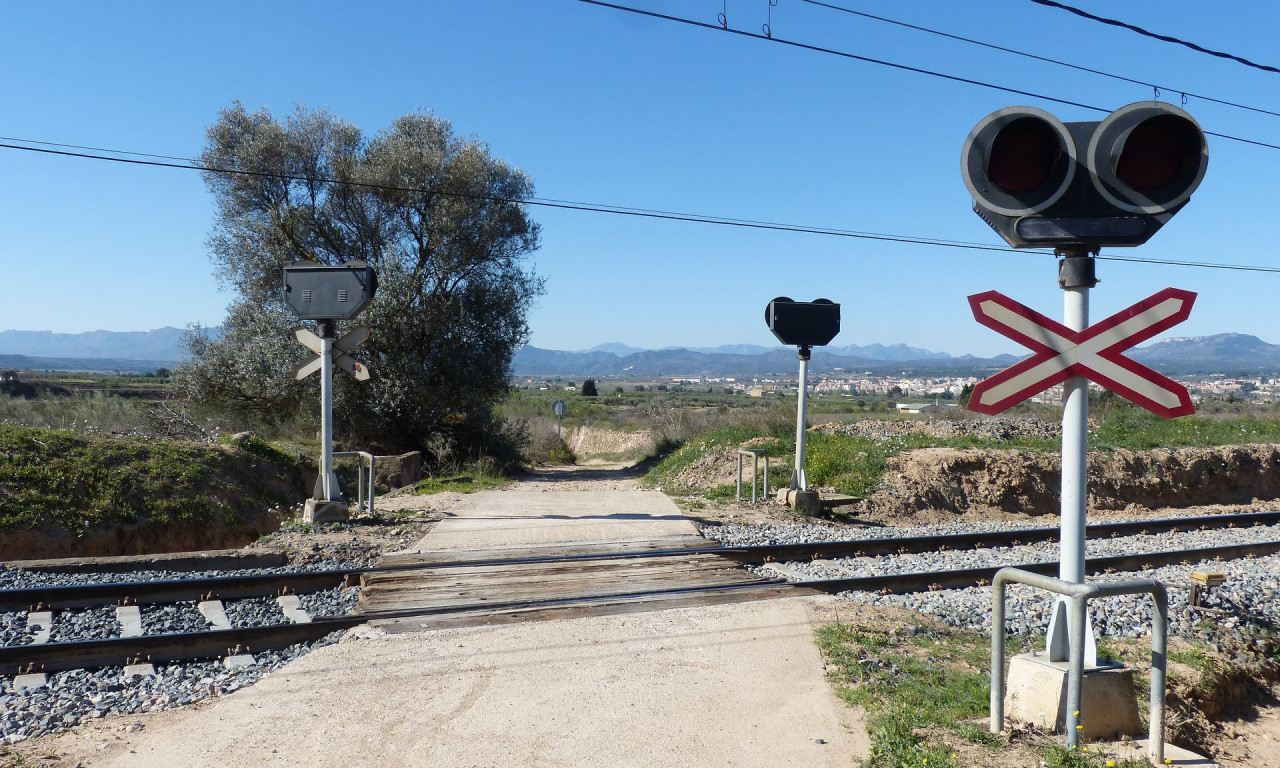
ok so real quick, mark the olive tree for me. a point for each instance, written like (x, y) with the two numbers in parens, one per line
(441, 221)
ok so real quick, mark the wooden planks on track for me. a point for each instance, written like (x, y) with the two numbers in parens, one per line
(460, 594)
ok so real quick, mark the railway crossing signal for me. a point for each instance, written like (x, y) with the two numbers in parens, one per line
(1094, 353)
(349, 341)
(1039, 182)
(323, 292)
(328, 294)
(1077, 187)
(804, 324)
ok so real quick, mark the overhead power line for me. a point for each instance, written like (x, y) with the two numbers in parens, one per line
(167, 161)
(1036, 57)
(1146, 33)
(771, 38)
(164, 161)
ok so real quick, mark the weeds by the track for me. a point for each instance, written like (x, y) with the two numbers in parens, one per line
(926, 692)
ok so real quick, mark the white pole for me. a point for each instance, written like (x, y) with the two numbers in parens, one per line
(1075, 466)
(327, 487)
(798, 480)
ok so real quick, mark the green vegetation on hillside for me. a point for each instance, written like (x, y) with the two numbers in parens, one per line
(60, 479)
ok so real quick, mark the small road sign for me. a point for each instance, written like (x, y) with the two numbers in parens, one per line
(1094, 353)
(559, 408)
(349, 341)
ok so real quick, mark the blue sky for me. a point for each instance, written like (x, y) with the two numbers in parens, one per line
(602, 106)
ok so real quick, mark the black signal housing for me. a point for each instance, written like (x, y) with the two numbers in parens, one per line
(1039, 182)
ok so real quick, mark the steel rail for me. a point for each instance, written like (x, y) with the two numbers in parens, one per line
(118, 651)
(159, 648)
(764, 553)
(233, 587)
(172, 590)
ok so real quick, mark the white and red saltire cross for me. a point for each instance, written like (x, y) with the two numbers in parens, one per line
(1094, 353)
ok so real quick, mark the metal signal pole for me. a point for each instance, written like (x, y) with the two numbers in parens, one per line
(1076, 276)
(798, 480)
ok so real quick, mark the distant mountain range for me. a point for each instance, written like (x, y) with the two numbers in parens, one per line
(1226, 353)
(163, 345)
(143, 351)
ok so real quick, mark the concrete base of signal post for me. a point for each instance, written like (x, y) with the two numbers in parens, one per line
(319, 511)
(805, 502)
(1036, 693)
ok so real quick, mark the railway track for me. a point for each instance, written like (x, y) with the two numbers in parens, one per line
(434, 590)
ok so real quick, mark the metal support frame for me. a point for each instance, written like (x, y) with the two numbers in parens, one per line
(798, 480)
(1079, 595)
(755, 454)
(361, 496)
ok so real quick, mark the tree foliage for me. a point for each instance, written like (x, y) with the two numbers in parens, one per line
(589, 388)
(440, 220)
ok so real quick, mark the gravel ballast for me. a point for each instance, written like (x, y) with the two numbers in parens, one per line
(76, 696)
(1249, 594)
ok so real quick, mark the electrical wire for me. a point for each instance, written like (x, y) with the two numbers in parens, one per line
(191, 165)
(843, 54)
(1036, 57)
(1146, 33)
(890, 64)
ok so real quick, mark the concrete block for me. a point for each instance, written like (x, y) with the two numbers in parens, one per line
(30, 680)
(141, 669)
(129, 617)
(316, 511)
(1036, 693)
(215, 613)
(806, 503)
(238, 661)
(40, 625)
(291, 605)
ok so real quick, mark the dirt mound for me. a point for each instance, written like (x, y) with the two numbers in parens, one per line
(1008, 482)
(589, 442)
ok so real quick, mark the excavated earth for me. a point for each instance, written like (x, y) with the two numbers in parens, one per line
(989, 483)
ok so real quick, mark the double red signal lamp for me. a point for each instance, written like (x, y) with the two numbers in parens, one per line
(1041, 182)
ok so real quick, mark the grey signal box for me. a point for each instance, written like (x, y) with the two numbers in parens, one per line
(320, 292)
(803, 323)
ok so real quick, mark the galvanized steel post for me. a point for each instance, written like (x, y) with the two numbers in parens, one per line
(798, 480)
(327, 484)
(1076, 277)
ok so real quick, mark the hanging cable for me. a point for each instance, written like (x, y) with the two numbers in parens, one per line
(1036, 57)
(191, 165)
(1146, 33)
(892, 65)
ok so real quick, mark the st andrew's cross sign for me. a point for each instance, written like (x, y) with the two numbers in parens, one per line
(1094, 353)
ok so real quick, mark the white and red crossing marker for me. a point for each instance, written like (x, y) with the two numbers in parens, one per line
(349, 341)
(1094, 353)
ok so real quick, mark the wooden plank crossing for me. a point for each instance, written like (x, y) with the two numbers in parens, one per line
(505, 592)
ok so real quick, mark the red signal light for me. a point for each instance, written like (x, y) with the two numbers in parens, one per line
(1024, 154)
(1157, 151)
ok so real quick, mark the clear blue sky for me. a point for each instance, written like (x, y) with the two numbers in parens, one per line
(601, 106)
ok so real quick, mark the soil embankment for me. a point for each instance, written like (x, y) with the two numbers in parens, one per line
(67, 495)
(1009, 482)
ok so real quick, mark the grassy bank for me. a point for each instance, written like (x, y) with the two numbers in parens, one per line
(75, 482)
(855, 464)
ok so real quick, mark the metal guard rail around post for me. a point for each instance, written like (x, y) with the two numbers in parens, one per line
(1080, 594)
(361, 495)
(755, 454)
